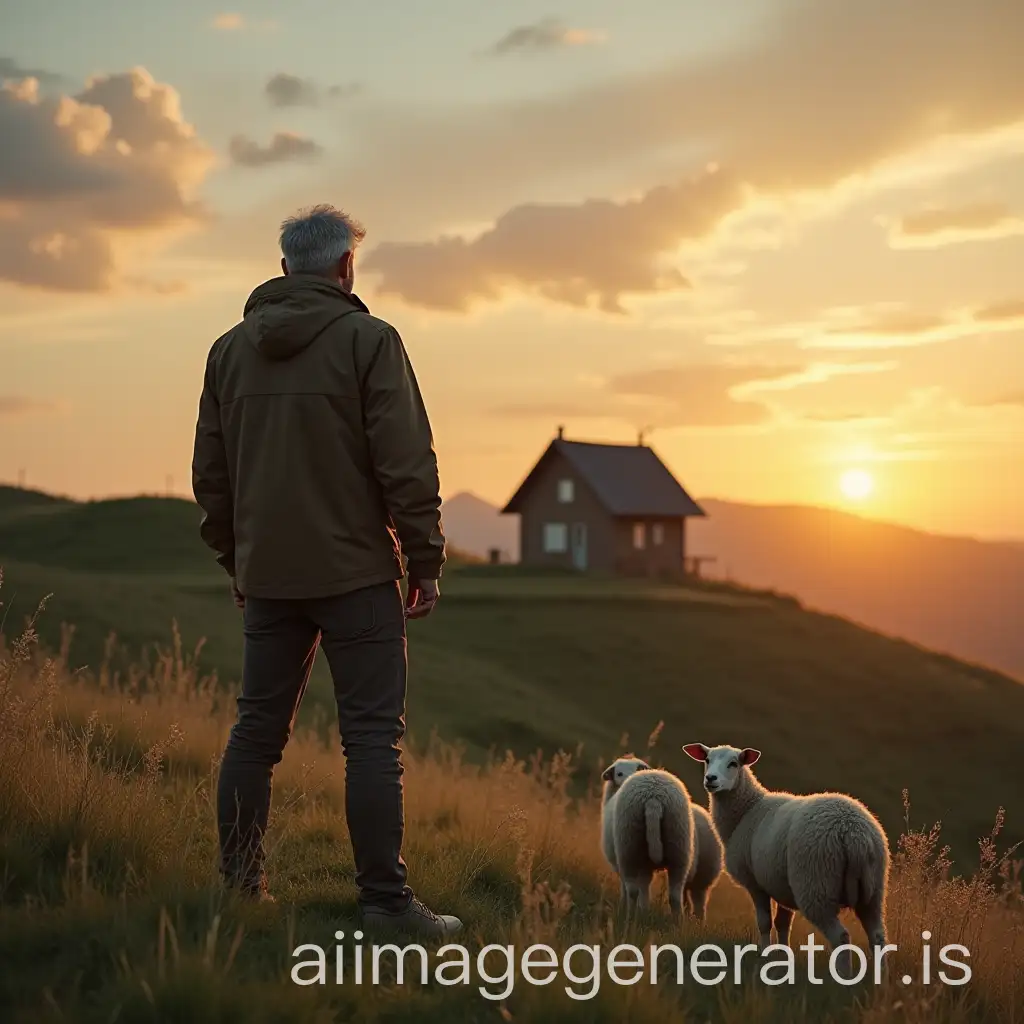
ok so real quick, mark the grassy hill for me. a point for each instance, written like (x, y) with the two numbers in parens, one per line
(955, 594)
(549, 663)
(534, 665)
(110, 910)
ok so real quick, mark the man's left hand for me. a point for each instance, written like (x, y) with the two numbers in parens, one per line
(421, 598)
(239, 598)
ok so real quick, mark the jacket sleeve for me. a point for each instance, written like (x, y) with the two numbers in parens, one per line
(402, 454)
(211, 482)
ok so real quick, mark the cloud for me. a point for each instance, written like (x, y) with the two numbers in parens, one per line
(799, 108)
(569, 253)
(548, 34)
(883, 326)
(22, 405)
(1012, 398)
(1011, 311)
(228, 22)
(702, 395)
(816, 373)
(893, 324)
(12, 71)
(284, 147)
(345, 90)
(83, 178)
(902, 328)
(937, 226)
(284, 90)
(698, 395)
(828, 418)
(237, 23)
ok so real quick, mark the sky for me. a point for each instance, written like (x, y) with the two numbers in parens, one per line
(783, 237)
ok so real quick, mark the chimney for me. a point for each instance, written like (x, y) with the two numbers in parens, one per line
(561, 433)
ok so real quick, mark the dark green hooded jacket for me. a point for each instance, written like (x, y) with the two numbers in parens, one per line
(314, 462)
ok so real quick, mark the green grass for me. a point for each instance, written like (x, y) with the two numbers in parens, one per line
(549, 664)
(109, 911)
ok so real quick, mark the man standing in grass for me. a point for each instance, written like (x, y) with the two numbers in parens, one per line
(315, 469)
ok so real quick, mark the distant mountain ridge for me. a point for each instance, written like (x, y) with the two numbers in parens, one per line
(957, 595)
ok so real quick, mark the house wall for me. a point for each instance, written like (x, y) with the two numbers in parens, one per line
(541, 505)
(665, 559)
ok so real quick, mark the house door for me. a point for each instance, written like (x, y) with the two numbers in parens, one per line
(579, 546)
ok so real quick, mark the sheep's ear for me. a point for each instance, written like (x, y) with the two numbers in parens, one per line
(749, 755)
(697, 751)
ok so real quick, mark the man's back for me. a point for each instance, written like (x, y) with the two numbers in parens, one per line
(314, 456)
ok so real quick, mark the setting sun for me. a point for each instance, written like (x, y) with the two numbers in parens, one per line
(856, 484)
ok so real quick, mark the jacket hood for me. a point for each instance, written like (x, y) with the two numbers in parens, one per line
(285, 314)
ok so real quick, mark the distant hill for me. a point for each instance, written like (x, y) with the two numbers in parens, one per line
(479, 526)
(953, 594)
(116, 535)
(958, 595)
(18, 501)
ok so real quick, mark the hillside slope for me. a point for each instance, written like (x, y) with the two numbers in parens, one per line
(955, 594)
(509, 661)
(520, 664)
(137, 534)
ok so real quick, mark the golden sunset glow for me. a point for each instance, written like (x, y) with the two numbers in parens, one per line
(805, 265)
(856, 484)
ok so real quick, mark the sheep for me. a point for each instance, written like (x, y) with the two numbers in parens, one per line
(651, 824)
(706, 869)
(815, 854)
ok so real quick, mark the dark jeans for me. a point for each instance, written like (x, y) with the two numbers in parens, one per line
(364, 639)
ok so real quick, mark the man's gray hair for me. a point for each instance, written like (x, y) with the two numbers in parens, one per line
(314, 240)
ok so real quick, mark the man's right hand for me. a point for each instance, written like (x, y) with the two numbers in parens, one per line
(421, 598)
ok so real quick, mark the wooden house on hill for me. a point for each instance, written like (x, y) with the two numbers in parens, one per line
(607, 507)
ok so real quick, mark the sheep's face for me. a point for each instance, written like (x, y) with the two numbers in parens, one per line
(618, 771)
(723, 766)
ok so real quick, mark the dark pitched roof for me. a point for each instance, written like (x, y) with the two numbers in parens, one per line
(628, 479)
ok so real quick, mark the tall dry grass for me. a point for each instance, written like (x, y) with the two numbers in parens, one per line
(108, 854)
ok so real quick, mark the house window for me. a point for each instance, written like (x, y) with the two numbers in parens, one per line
(639, 536)
(565, 492)
(658, 534)
(556, 538)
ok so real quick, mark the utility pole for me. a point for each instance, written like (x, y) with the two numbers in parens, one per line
(21, 478)
(170, 486)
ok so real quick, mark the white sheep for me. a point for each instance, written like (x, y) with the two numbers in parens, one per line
(814, 854)
(706, 869)
(648, 823)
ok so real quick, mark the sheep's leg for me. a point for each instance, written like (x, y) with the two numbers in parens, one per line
(675, 892)
(638, 890)
(643, 896)
(873, 920)
(828, 923)
(763, 912)
(783, 922)
(698, 901)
